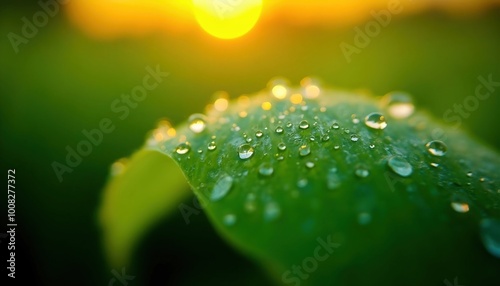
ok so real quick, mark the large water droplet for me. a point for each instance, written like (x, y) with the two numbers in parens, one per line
(375, 120)
(183, 148)
(229, 219)
(259, 134)
(436, 148)
(281, 146)
(304, 150)
(245, 151)
(211, 146)
(459, 206)
(400, 166)
(221, 188)
(335, 125)
(490, 235)
(197, 122)
(279, 130)
(272, 211)
(399, 104)
(354, 137)
(266, 169)
(303, 124)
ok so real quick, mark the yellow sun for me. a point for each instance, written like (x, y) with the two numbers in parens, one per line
(227, 19)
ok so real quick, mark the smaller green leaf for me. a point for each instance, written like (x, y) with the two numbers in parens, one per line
(146, 188)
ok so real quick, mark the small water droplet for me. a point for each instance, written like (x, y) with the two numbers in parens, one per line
(248, 140)
(289, 124)
(250, 205)
(279, 130)
(266, 105)
(197, 122)
(400, 166)
(229, 219)
(119, 166)
(490, 235)
(336, 147)
(212, 146)
(325, 138)
(235, 127)
(279, 87)
(221, 188)
(310, 165)
(304, 150)
(312, 139)
(335, 125)
(266, 169)
(355, 119)
(183, 148)
(436, 148)
(279, 157)
(469, 174)
(245, 151)
(364, 218)
(302, 183)
(303, 124)
(375, 120)
(311, 87)
(354, 138)
(281, 146)
(222, 102)
(259, 134)
(461, 207)
(346, 131)
(362, 172)
(272, 211)
(372, 146)
(435, 165)
(399, 104)
(333, 180)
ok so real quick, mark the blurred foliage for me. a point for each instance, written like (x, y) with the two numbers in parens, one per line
(61, 82)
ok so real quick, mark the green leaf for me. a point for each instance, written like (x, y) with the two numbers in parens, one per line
(320, 189)
(142, 191)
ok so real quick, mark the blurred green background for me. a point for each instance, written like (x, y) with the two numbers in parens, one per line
(63, 82)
